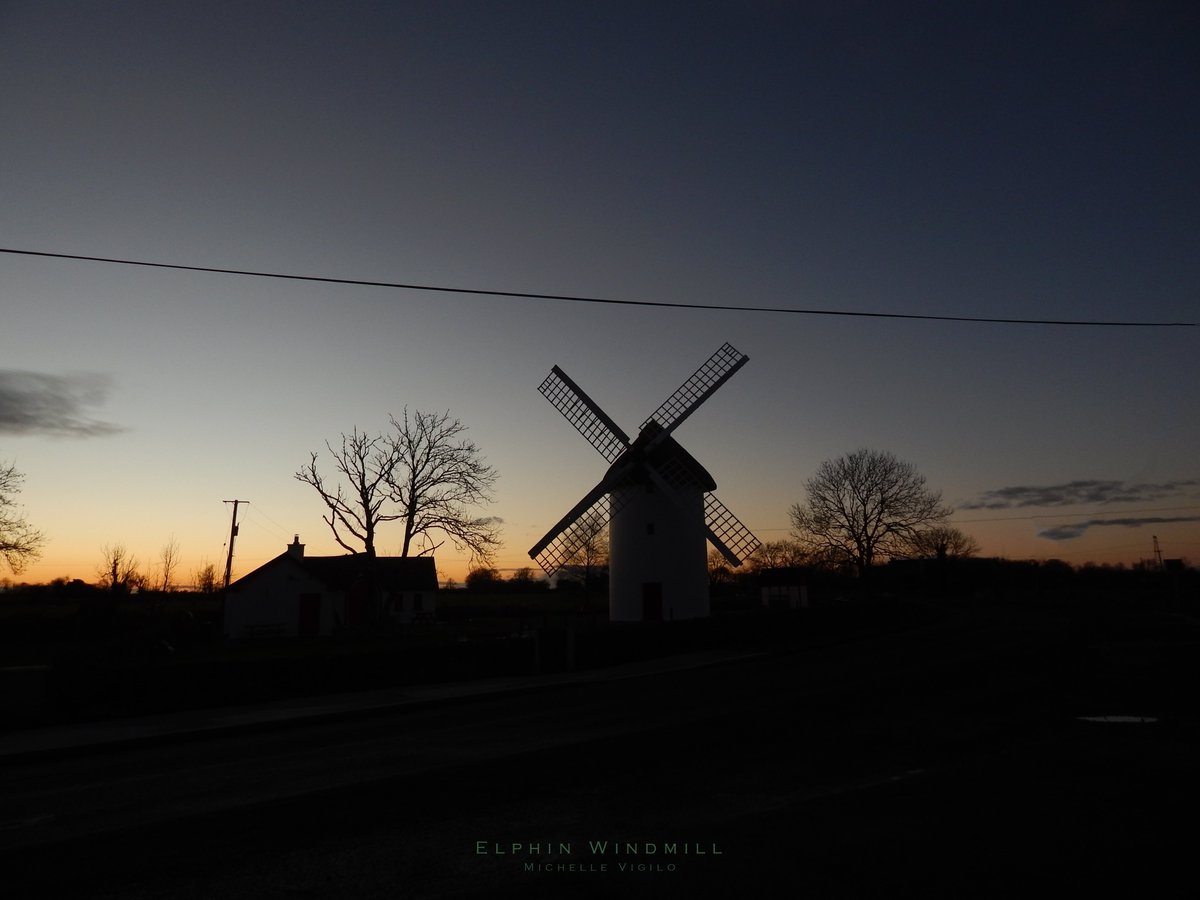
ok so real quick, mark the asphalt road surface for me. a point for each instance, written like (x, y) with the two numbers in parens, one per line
(947, 761)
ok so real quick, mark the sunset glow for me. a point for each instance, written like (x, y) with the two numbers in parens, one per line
(1011, 165)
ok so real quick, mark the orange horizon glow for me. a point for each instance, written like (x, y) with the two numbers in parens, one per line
(71, 566)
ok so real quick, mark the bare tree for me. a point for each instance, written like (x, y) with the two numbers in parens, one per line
(119, 569)
(20, 543)
(591, 555)
(422, 473)
(524, 580)
(168, 564)
(719, 572)
(780, 555)
(366, 463)
(435, 478)
(865, 506)
(483, 578)
(206, 578)
(942, 542)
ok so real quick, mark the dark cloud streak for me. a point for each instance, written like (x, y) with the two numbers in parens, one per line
(33, 403)
(1069, 532)
(1074, 493)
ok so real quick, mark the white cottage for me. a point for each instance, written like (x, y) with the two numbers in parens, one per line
(294, 595)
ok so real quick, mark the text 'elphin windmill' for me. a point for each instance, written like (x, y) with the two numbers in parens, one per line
(656, 498)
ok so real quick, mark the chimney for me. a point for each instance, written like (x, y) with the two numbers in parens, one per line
(295, 548)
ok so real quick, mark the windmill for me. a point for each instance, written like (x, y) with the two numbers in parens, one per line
(657, 499)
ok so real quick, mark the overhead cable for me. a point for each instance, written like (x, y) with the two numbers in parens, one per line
(572, 298)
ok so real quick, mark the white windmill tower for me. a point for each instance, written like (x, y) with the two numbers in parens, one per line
(657, 499)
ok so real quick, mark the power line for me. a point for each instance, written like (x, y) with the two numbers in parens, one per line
(254, 511)
(572, 298)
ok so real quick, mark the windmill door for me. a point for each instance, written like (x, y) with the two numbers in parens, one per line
(652, 601)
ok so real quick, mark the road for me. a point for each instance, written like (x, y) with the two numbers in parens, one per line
(949, 761)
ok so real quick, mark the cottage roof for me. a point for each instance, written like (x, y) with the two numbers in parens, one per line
(344, 573)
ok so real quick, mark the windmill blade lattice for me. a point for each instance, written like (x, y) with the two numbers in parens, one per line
(671, 472)
(726, 531)
(556, 552)
(582, 412)
(716, 370)
(571, 540)
(650, 579)
(562, 541)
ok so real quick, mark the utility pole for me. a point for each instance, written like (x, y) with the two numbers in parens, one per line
(1158, 554)
(233, 530)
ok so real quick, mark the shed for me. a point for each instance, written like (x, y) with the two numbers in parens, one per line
(784, 588)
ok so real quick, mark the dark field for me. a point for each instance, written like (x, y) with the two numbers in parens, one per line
(944, 759)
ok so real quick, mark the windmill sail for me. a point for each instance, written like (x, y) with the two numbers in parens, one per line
(562, 541)
(563, 547)
(726, 531)
(581, 411)
(717, 369)
(651, 480)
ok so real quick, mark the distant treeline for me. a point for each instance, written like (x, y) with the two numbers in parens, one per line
(962, 577)
(1039, 581)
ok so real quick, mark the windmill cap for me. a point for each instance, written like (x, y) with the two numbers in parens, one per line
(667, 457)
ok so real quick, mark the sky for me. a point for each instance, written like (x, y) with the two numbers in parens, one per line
(987, 160)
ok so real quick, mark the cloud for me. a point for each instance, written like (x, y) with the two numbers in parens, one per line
(35, 403)
(1075, 493)
(1069, 532)
(1064, 532)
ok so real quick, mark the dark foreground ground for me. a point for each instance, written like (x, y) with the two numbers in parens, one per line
(949, 760)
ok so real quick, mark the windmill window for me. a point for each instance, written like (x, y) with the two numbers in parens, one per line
(649, 528)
